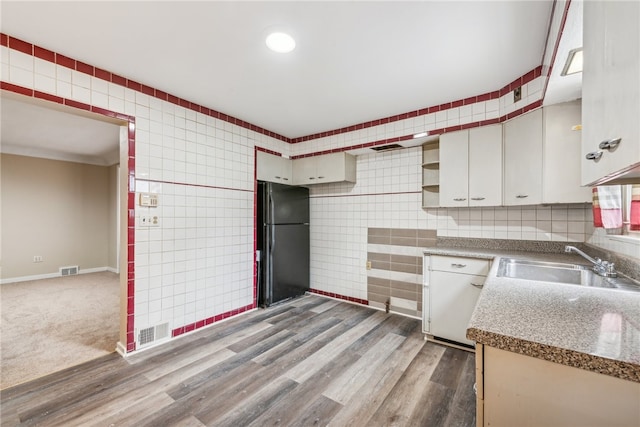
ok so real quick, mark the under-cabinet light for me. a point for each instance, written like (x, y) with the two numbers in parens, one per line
(421, 134)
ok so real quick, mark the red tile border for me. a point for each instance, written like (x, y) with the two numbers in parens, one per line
(45, 54)
(65, 61)
(266, 150)
(338, 296)
(549, 70)
(210, 320)
(16, 89)
(20, 45)
(26, 47)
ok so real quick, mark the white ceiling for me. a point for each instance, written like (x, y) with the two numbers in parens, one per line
(36, 130)
(354, 61)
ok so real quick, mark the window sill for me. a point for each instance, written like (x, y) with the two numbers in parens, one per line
(626, 238)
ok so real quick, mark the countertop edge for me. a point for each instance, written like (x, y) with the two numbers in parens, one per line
(575, 359)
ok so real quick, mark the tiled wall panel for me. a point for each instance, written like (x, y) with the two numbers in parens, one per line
(387, 195)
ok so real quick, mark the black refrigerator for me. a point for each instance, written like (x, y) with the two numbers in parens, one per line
(283, 242)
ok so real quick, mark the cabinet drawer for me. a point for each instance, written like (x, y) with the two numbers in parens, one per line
(477, 267)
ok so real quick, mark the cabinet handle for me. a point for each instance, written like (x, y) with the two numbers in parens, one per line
(311, 177)
(321, 177)
(522, 196)
(594, 155)
(277, 177)
(477, 198)
(476, 285)
(459, 199)
(285, 179)
(609, 144)
(455, 265)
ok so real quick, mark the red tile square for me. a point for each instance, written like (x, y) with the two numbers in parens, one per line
(134, 85)
(147, 90)
(119, 80)
(76, 104)
(16, 89)
(20, 45)
(48, 97)
(84, 68)
(65, 61)
(45, 54)
(183, 103)
(102, 74)
(4, 40)
(458, 103)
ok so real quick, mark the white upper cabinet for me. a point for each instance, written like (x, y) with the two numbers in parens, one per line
(562, 147)
(485, 166)
(471, 167)
(334, 167)
(454, 169)
(273, 168)
(523, 159)
(611, 91)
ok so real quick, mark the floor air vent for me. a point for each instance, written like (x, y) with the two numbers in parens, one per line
(69, 271)
(152, 334)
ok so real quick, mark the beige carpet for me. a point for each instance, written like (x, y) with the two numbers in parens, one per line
(52, 324)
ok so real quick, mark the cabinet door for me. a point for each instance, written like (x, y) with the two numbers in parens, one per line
(304, 171)
(562, 147)
(454, 169)
(453, 298)
(611, 87)
(329, 168)
(523, 159)
(485, 166)
(273, 168)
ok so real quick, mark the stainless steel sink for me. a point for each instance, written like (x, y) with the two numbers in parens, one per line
(570, 274)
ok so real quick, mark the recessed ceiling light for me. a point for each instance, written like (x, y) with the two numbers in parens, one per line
(574, 62)
(280, 42)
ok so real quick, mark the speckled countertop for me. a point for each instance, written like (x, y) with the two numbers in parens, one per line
(589, 328)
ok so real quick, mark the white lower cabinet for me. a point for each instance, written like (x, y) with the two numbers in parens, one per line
(452, 287)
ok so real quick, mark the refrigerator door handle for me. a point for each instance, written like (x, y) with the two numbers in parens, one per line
(272, 242)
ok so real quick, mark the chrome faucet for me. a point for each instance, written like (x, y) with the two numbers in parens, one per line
(602, 268)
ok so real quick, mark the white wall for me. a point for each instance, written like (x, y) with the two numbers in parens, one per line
(57, 210)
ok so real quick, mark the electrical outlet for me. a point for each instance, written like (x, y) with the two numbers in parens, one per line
(37, 258)
(517, 94)
(149, 221)
(368, 265)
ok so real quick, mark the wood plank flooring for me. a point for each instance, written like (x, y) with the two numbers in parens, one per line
(311, 361)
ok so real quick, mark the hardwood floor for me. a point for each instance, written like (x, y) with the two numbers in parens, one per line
(312, 361)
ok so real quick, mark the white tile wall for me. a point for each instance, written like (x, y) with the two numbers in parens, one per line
(385, 196)
(199, 262)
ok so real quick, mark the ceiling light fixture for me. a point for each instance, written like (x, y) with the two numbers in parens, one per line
(574, 62)
(421, 134)
(280, 42)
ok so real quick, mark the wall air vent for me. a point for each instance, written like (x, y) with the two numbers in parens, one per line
(387, 147)
(152, 334)
(69, 271)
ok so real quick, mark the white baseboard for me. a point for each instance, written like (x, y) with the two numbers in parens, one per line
(53, 275)
(113, 270)
(121, 349)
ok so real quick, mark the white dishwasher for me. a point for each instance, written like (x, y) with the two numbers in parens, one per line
(451, 288)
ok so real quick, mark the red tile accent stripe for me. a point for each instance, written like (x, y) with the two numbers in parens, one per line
(439, 131)
(266, 150)
(62, 60)
(338, 296)
(208, 321)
